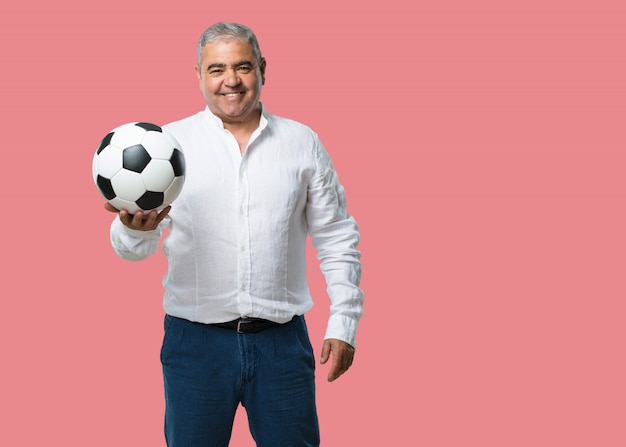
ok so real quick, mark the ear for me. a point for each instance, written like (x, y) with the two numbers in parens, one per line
(262, 66)
(198, 71)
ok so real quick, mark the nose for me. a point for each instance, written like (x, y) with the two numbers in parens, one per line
(232, 78)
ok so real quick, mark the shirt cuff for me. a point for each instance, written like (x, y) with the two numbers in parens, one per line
(342, 328)
(149, 234)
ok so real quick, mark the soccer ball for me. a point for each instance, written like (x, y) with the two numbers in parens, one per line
(138, 166)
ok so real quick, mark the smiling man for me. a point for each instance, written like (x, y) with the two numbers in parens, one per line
(236, 290)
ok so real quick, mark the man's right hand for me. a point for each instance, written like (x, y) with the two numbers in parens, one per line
(140, 220)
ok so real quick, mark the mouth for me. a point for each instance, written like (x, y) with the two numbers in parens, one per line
(231, 94)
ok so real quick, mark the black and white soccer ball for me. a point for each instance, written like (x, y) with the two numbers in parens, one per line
(138, 166)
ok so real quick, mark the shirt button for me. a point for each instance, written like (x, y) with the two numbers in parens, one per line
(244, 287)
(243, 248)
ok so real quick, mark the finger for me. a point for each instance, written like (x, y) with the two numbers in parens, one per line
(343, 355)
(338, 367)
(149, 221)
(137, 220)
(110, 208)
(162, 214)
(325, 352)
(126, 218)
(334, 373)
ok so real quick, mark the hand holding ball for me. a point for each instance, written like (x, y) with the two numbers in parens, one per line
(138, 166)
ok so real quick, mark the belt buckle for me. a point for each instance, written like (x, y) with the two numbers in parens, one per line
(239, 331)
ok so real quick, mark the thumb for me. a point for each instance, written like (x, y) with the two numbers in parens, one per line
(325, 352)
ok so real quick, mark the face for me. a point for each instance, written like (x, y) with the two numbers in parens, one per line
(230, 79)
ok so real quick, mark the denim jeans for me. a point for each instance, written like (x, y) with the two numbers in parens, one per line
(208, 371)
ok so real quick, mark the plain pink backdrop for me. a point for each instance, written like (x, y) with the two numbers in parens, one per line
(482, 148)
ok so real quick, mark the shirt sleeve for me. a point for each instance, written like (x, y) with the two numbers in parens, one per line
(135, 245)
(335, 236)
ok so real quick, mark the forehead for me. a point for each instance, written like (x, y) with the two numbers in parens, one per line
(227, 52)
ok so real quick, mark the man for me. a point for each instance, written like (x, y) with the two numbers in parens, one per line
(236, 289)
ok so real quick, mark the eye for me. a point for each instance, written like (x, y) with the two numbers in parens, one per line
(245, 69)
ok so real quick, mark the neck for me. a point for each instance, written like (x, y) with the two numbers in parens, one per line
(246, 124)
(242, 130)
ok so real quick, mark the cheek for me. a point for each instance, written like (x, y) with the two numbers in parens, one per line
(208, 84)
(208, 87)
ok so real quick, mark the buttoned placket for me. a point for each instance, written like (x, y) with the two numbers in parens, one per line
(240, 162)
(244, 261)
(243, 229)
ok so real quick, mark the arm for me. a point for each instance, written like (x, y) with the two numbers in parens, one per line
(135, 237)
(335, 236)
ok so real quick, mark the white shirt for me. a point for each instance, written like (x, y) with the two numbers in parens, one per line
(237, 232)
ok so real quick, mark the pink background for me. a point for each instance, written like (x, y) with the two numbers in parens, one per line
(482, 148)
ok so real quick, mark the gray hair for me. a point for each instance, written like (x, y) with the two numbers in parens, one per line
(224, 31)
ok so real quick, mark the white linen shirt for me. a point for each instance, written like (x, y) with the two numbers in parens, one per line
(237, 233)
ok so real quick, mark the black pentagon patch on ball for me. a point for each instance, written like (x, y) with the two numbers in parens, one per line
(105, 142)
(150, 200)
(178, 162)
(149, 126)
(105, 187)
(135, 158)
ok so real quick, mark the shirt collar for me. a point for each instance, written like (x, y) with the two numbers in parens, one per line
(216, 121)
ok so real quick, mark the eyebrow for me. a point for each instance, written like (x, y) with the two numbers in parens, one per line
(235, 65)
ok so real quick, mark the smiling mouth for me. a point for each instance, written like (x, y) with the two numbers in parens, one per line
(232, 95)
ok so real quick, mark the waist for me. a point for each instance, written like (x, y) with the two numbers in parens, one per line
(229, 307)
(249, 325)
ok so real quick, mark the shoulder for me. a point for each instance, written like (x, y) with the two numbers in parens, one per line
(184, 124)
(291, 128)
(301, 138)
(189, 131)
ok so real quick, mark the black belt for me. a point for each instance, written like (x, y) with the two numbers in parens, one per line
(247, 325)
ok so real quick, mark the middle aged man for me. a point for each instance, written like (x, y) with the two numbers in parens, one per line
(236, 288)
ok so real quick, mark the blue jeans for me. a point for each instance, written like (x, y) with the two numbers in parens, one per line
(208, 371)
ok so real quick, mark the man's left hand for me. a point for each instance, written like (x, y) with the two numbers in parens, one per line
(343, 354)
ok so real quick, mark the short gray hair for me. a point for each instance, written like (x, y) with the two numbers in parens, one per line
(223, 31)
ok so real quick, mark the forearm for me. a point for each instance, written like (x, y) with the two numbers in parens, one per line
(341, 267)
